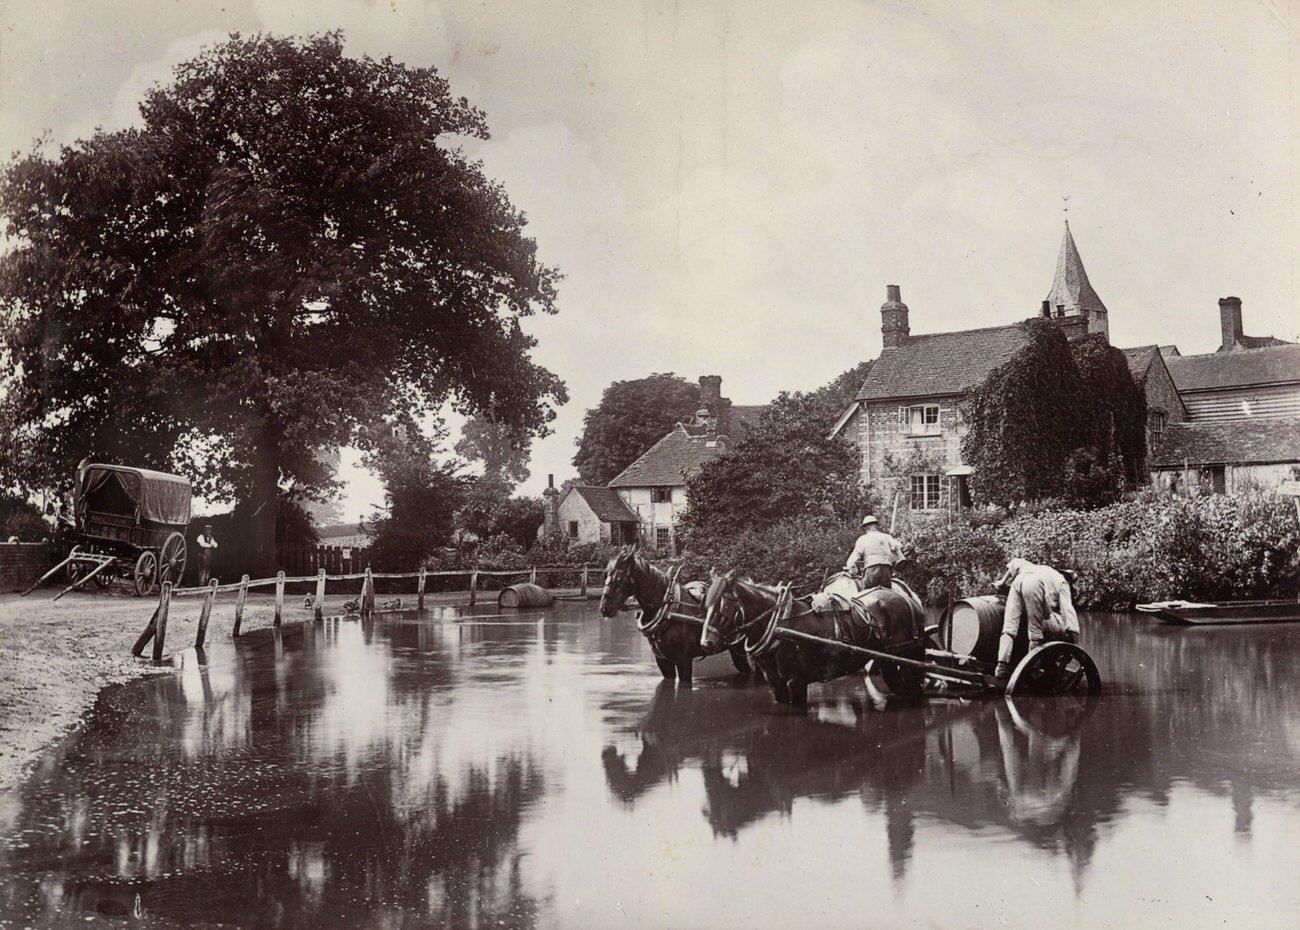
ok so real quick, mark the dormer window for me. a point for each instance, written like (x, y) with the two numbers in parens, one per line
(661, 495)
(920, 420)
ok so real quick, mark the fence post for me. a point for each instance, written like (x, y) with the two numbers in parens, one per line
(149, 629)
(368, 595)
(160, 630)
(279, 595)
(419, 591)
(583, 590)
(205, 614)
(239, 605)
(473, 586)
(532, 575)
(319, 611)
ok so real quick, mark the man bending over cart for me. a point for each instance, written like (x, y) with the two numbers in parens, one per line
(1040, 596)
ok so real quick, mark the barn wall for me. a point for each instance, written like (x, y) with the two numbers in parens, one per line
(1245, 403)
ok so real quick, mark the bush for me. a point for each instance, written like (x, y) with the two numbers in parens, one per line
(801, 550)
(953, 561)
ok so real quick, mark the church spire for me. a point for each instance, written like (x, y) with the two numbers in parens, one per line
(1072, 290)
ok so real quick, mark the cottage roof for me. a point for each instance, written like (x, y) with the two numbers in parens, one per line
(339, 530)
(941, 363)
(1071, 287)
(1242, 368)
(604, 503)
(1237, 442)
(671, 460)
(1139, 360)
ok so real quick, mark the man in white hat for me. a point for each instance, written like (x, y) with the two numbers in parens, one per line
(1040, 596)
(878, 551)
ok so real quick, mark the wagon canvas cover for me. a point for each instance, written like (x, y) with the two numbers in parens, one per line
(157, 496)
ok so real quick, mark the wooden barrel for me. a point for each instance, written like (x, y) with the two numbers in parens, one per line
(525, 595)
(973, 627)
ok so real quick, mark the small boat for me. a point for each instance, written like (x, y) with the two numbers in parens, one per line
(1192, 613)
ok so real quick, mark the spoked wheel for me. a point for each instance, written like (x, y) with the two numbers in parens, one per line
(1055, 668)
(146, 573)
(76, 568)
(106, 577)
(171, 559)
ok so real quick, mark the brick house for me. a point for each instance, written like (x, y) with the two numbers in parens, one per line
(654, 486)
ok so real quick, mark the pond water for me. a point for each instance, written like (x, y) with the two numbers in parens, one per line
(460, 770)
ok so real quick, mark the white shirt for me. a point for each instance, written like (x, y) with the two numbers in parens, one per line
(874, 547)
(206, 542)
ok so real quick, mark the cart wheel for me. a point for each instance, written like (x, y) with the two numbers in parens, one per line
(1056, 668)
(146, 573)
(106, 577)
(171, 559)
(75, 569)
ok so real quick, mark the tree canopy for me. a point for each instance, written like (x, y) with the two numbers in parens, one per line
(785, 467)
(630, 418)
(291, 245)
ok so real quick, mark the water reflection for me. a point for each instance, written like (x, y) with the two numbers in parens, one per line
(530, 770)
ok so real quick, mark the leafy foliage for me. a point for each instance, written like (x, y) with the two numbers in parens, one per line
(502, 449)
(1059, 419)
(19, 517)
(487, 510)
(785, 467)
(799, 549)
(291, 246)
(421, 496)
(630, 418)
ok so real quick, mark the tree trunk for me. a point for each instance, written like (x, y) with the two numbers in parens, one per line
(263, 560)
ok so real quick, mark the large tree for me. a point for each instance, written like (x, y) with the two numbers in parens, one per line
(785, 468)
(291, 245)
(630, 418)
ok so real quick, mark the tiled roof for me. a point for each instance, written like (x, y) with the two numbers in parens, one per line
(337, 530)
(1257, 342)
(1070, 287)
(1237, 442)
(605, 504)
(1139, 360)
(670, 461)
(941, 363)
(1235, 369)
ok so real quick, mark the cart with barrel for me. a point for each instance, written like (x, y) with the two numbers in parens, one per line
(130, 524)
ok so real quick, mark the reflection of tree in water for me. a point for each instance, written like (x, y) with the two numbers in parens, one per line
(274, 829)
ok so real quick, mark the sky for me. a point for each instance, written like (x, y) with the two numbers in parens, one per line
(728, 187)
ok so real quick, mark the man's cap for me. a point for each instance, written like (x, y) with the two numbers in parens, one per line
(869, 520)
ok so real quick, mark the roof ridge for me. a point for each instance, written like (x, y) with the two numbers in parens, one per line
(959, 332)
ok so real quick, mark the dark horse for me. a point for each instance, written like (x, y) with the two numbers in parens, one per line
(674, 642)
(740, 612)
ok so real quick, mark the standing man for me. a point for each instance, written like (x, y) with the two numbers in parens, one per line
(879, 553)
(1040, 596)
(206, 543)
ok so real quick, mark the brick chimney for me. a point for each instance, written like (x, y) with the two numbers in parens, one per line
(550, 507)
(893, 318)
(1229, 322)
(710, 390)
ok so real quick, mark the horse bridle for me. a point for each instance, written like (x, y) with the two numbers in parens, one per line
(663, 611)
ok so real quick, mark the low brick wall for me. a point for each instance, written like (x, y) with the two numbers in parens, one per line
(21, 564)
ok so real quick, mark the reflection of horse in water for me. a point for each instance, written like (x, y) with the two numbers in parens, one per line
(889, 620)
(675, 642)
(1011, 763)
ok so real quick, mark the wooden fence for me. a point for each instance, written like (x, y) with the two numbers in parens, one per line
(477, 580)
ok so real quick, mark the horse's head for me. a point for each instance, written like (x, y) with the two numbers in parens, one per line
(619, 582)
(724, 618)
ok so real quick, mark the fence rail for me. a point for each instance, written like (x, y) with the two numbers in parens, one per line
(156, 629)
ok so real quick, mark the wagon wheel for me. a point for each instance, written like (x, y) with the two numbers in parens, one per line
(171, 559)
(1056, 668)
(107, 576)
(146, 573)
(75, 568)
